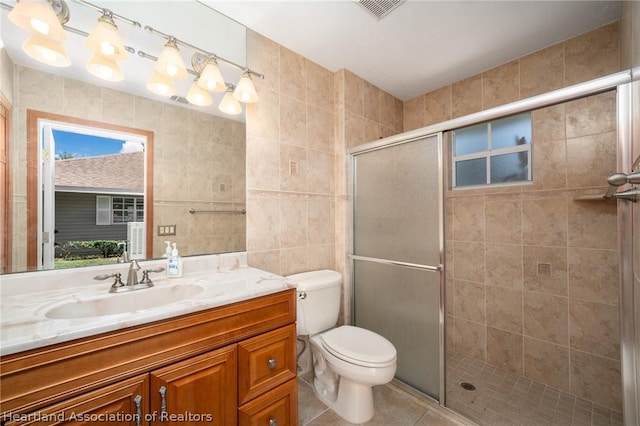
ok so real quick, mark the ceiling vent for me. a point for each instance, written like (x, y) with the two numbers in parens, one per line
(380, 8)
(179, 99)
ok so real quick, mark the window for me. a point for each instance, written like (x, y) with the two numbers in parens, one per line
(495, 152)
(117, 210)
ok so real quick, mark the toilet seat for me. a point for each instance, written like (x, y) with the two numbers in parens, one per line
(359, 346)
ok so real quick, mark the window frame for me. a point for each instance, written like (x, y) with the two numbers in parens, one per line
(137, 200)
(488, 153)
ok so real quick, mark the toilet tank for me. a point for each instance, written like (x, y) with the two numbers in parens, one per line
(318, 303)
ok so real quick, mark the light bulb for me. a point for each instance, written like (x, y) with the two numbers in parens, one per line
(37, 17)
(104, 68)
(198, 96)
(229, 104)
(211, 78)
(161, 85)
(46, 50)
(104, 39)
(170, 62)
(245, 90)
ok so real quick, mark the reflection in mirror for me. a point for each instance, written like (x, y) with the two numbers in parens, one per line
(197, 156)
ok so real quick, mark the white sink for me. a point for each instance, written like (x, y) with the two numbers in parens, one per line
(123, 302)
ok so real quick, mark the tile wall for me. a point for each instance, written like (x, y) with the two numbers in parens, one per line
(205, 147)
(532, 274)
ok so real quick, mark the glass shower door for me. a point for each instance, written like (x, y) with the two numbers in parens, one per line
(397, 254)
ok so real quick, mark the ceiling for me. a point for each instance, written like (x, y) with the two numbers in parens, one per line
(421, 45)
(418, 47)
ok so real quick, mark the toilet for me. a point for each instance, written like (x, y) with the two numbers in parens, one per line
(347, 361)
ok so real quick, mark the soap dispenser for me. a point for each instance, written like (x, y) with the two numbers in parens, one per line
(167, 250)
(174, 263)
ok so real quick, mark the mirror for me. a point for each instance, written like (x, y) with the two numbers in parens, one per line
(195, 158)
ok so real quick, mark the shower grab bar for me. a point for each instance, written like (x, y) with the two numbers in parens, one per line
(242, 211)
(398, 263)
(619, 179)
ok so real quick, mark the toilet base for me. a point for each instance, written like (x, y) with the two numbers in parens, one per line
(353, 402)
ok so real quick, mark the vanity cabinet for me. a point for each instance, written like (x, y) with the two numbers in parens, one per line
(234, 364)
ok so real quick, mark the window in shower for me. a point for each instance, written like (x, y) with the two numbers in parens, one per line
(493, 153)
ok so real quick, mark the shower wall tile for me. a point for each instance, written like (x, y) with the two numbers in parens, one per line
(593, 54)
(468, 220)
(501, 85)
(371, 102)
(437, 106)
(466, 96)
(593, 225)
(293, 121)
(469, 301)
(293, 74)
(544, 222)
(414, 113)
(545, 270)
(547, 363)
(503, 221)
(319, 84)
(593, 275)
(470, 338)
(594, 327)
(592, 115)
(550, 164)
(354, 93)
(542, 71)
(546, 317)
(549, 124)
(504, 308)
(293, 223)
(319, 129)
(293, 168)
(505, 350)
(503, 265)
(596, 378)
(470, 266)
(263, 118)
(591, 159)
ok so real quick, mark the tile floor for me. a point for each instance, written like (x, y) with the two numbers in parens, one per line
(503, 398)
(395, 406)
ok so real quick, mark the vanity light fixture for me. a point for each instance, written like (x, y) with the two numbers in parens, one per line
(229, 104)
(245, 90)
(105, 40)
(105, 68)
(38, 17)
(47, 51)
(211, 78)
(199, 96)
(170, 63)
(161, 85)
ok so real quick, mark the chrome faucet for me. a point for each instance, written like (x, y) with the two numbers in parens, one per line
(132, 278)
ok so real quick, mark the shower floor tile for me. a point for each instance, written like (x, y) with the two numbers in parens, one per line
(501, 398)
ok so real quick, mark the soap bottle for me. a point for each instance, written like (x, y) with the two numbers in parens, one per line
(174, 263)
(167, 250)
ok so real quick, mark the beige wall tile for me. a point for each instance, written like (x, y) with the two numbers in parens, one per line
(293, 74)
(546, 317)
(293, 261)
(118, 107)
(263, 163)
(147, 114)
(470, 264)
(593, 275)
(372, 130)
(388, 111)
(263, 230)
(501, 85)
(503, 221)
(591, 115)
(437, 106)
(545, 270)
(354, 94)
(549, 165)
(594, 327)
(504, 350)
(264, 54)
(504, 308)
(293, 223)
(42, 89)
(319, 128)
(82, 99)
(371, 102)
(468, 219)
(546, 363)
(450, 297)
(596, 379)
(319, 86)
(321, 257)
(413, 113)
(354, 130)
(593, 225)
(549, 124)
(593, 54)
(466, 96)
(449, 260)
(321, 221)
(293, 168)
(263, 118)
(590, 160)
(470, 338)
(542, 71)
(320, 174)
(293, 121)
(503, 265)
(544, 222)
(469, 301)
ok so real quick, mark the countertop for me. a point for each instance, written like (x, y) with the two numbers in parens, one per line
(26, 317)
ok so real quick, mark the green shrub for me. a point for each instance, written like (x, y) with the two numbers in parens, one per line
(88, 249)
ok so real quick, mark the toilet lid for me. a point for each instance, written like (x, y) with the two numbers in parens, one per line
(358, 345)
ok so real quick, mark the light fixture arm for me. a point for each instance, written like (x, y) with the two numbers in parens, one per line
(179, 42)
(107, 11)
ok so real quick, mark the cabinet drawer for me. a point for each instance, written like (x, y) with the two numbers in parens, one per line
(265, 362)
(278, 407)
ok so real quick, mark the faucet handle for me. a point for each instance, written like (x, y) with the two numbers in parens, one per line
(145, 275)
(117, 283)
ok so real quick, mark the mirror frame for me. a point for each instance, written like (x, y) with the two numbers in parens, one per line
(33, 117)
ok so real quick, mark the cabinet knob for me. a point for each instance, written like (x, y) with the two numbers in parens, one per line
(273, 422)
(272, 363)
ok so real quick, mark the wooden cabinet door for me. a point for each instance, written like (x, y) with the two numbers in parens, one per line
(278, 407)
(123, 403)
(265, 362)
(198, 391)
